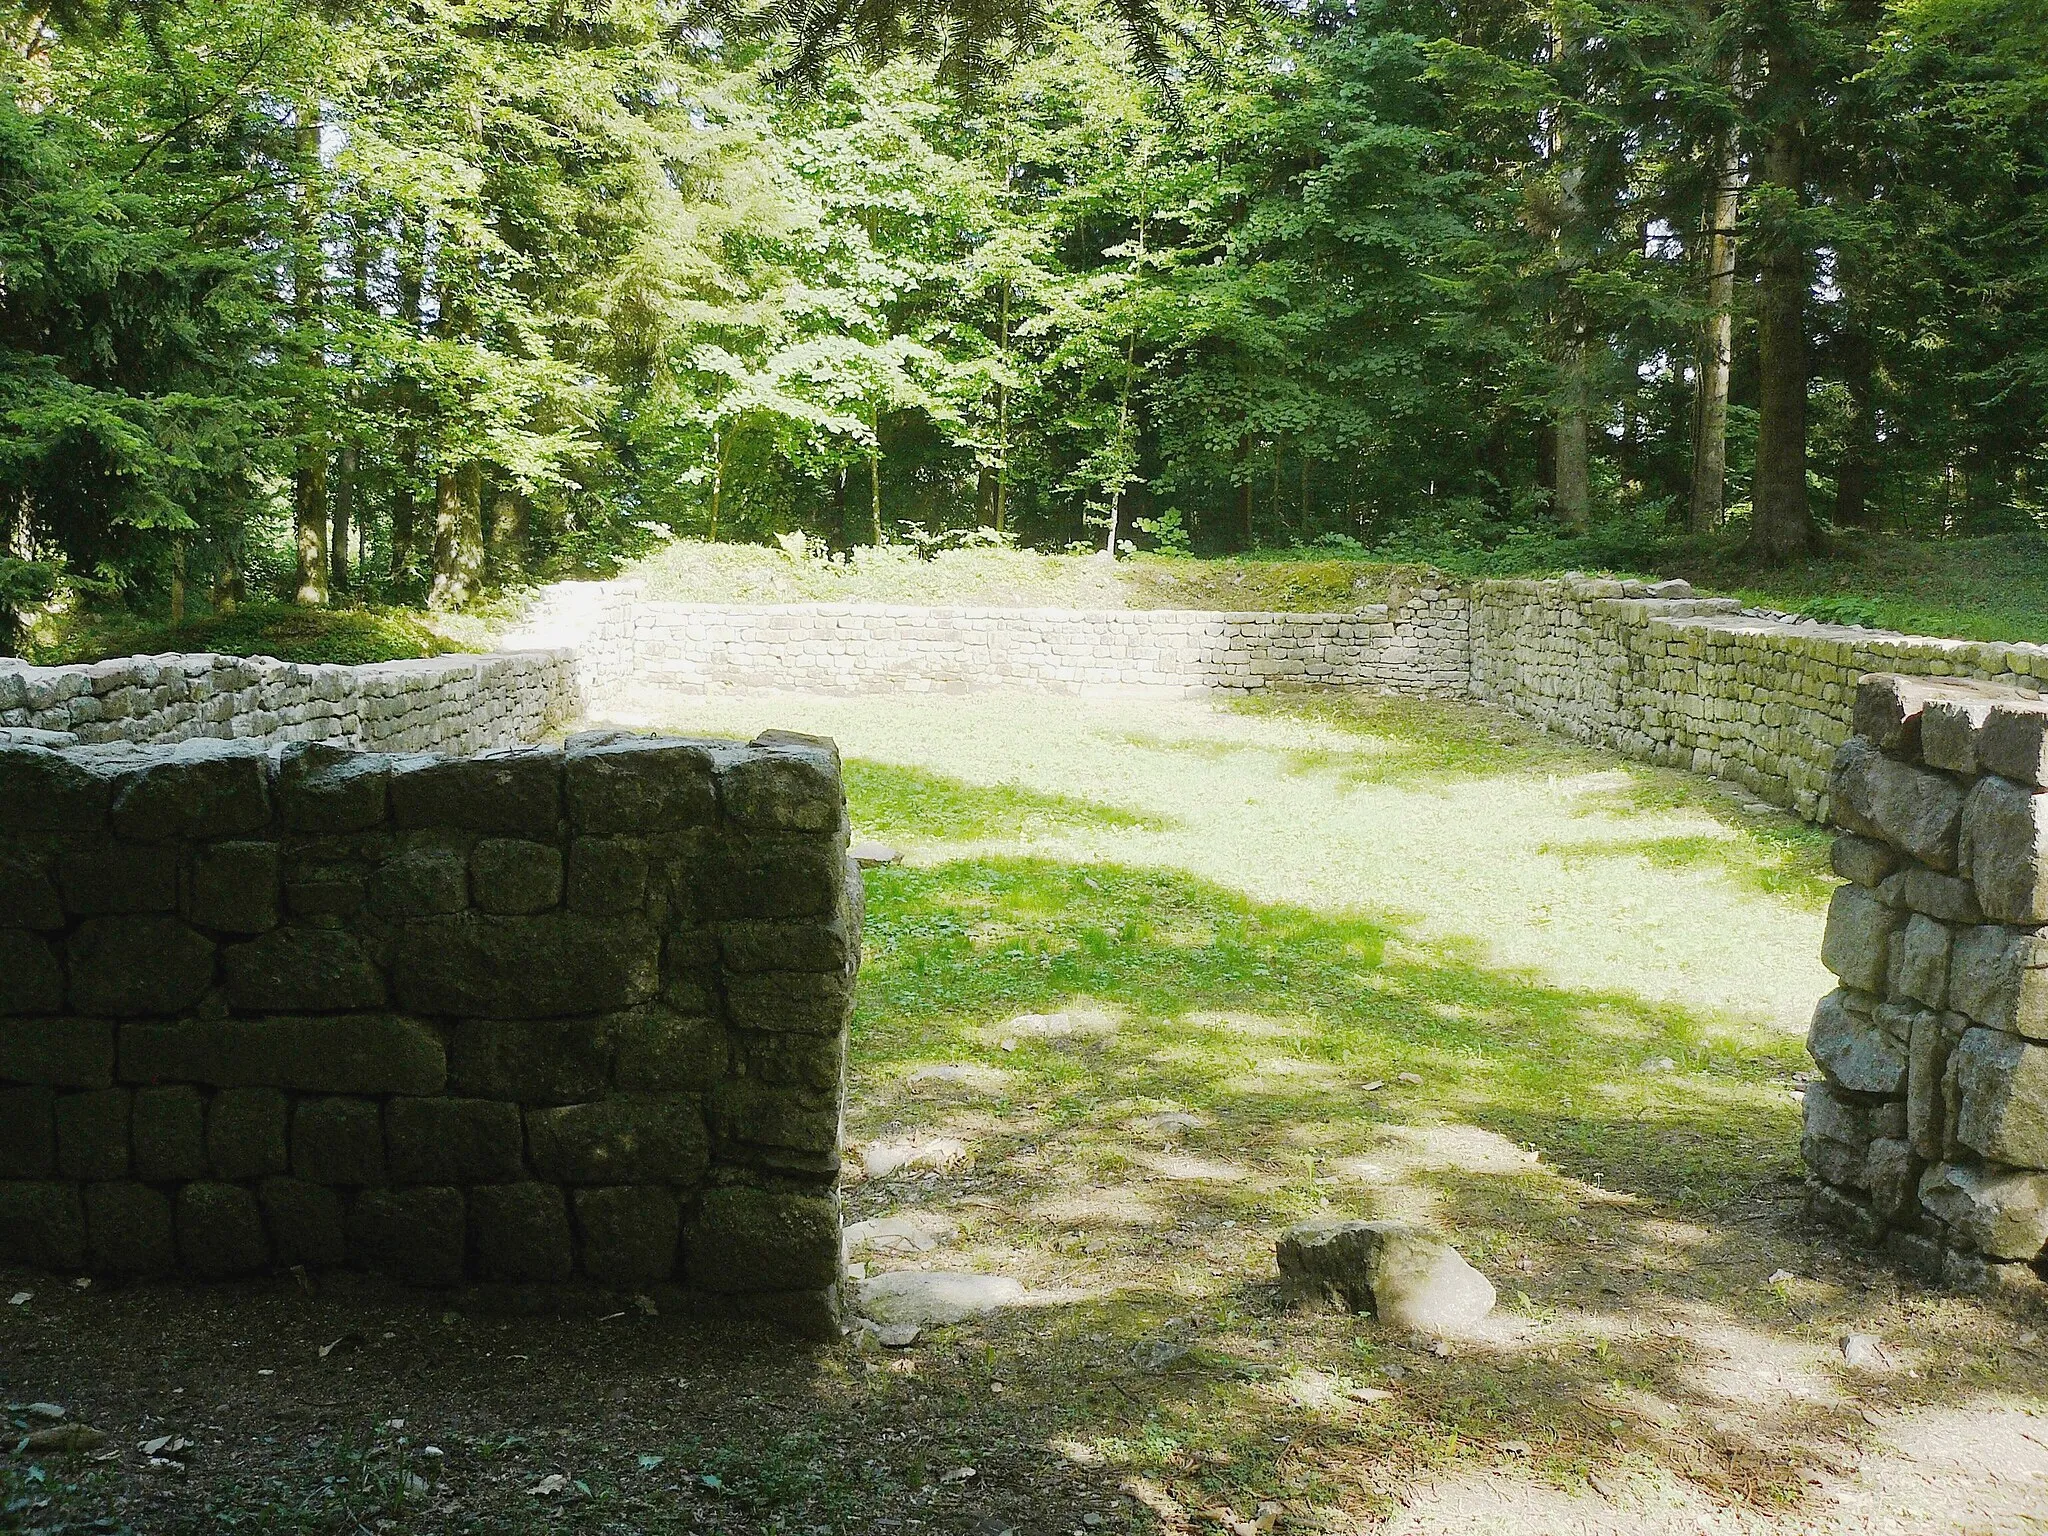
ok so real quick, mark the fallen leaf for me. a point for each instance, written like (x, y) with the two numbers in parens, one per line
(21, 1297)
(44, 1411)
(649, 1461)
(1410, 1078)
(957, 1475)
(165, 1446)
(550, 1485)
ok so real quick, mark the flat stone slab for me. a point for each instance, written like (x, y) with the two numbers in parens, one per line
(1405, 1276)
(872, 855)
(934, 1298)
(906, 1232)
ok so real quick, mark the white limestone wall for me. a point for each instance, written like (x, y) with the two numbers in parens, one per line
(457, 703)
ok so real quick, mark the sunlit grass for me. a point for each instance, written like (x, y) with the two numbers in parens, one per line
(1177, 975)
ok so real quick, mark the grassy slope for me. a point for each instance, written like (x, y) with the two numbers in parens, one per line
(347, 635)
(1984, 589)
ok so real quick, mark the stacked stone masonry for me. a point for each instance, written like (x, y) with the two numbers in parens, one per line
(1928, 1128)
(439, 704)
(1645, 669)
(530, 1018)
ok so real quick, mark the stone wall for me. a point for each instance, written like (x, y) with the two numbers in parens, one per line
(1416, 646)
(531, 1017)
(1696, 684)
(1928, 1128)
(442, 703)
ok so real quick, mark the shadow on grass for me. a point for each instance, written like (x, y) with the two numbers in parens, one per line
(891, 800)
(1090, 1005)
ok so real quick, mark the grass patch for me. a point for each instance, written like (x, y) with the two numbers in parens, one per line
(351, 636)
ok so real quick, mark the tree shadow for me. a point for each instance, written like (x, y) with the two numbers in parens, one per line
(893, 800)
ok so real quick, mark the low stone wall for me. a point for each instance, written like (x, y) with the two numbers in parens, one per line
(1929, 1127)
(1696, 684)
(1416, 646)
(518, 1019)
(441, 703)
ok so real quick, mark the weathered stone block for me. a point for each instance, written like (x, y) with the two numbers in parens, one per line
(642, 786)
(762, 1240)
(92, 1134)
(329, 893)
(775, 1127)
(356, 1053)
(510, 875)
(1948, 733)
(128, 1230)
(1920, 954)
(815, 946)
(2005, 850)
(784, 783)
(1999, 977)
(2002, 1098)
(1916, 810)
(453, 1141)
(1862, 860)
(233, 887)
(1939, 896)
(1836, 1139)
(424, 882)
(220, 1230)
(119, 877)
(47, 791)
(1889, 707)
(28, 1133)
(629, 1233)
(315, 970)
(31, 980)
(27, 898)
(2013, 742)
(817, 1062)
(138, 965)
(1891, 1172)
(776, 875)
(627, 1139)
(201, 788)
(58, 1052)
(662, 1051)
(338, 1141)
(416, 1235)
(325, 788)
(522, 1232)
(813, 1003)
(530, 1061)
(1932, 1038)
(607, 875)
(306, 1221)
(42, 1225)
(526, 967)
(517, 792)
(1999, 1212)
(245, 1133)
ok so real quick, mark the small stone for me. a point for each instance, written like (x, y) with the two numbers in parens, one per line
(1862, 1352)
(1405, 1276)
(64, 1440)
(871, 855)
(934, 1298)
(2002, 1213)
(897, 1335)
(909, 1232)
(1156, 1355)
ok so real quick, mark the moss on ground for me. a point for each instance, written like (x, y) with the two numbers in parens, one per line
(351, 636)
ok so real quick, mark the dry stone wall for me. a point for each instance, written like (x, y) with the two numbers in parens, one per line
(520, 1019)
(1928, 1129)
(439, 704)
(1697, 684)
(1416, 646)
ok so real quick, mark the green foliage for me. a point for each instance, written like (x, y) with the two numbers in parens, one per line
(350, 635)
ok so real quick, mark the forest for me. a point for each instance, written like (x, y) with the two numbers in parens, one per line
(399, 300)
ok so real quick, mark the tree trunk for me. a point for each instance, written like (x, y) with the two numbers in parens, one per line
(405, 492)
(1574, 496)
(507, 554)
(346, 489)
(1781, 520)
(1717, 337)
(875, 478)
(309, 475)
(719, 438)
(458, 536)
(1003, 411)
(1859, 448)
(178, 581)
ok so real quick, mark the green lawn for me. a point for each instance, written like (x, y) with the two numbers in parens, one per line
(1175, 975)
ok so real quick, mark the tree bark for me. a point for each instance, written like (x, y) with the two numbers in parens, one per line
(507, 553)
(875, 477)
(1574, 496)
(309, 474)
(405, 491)
(1717, 338)
(1781, 520)
(458, 536)
(347, 487)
